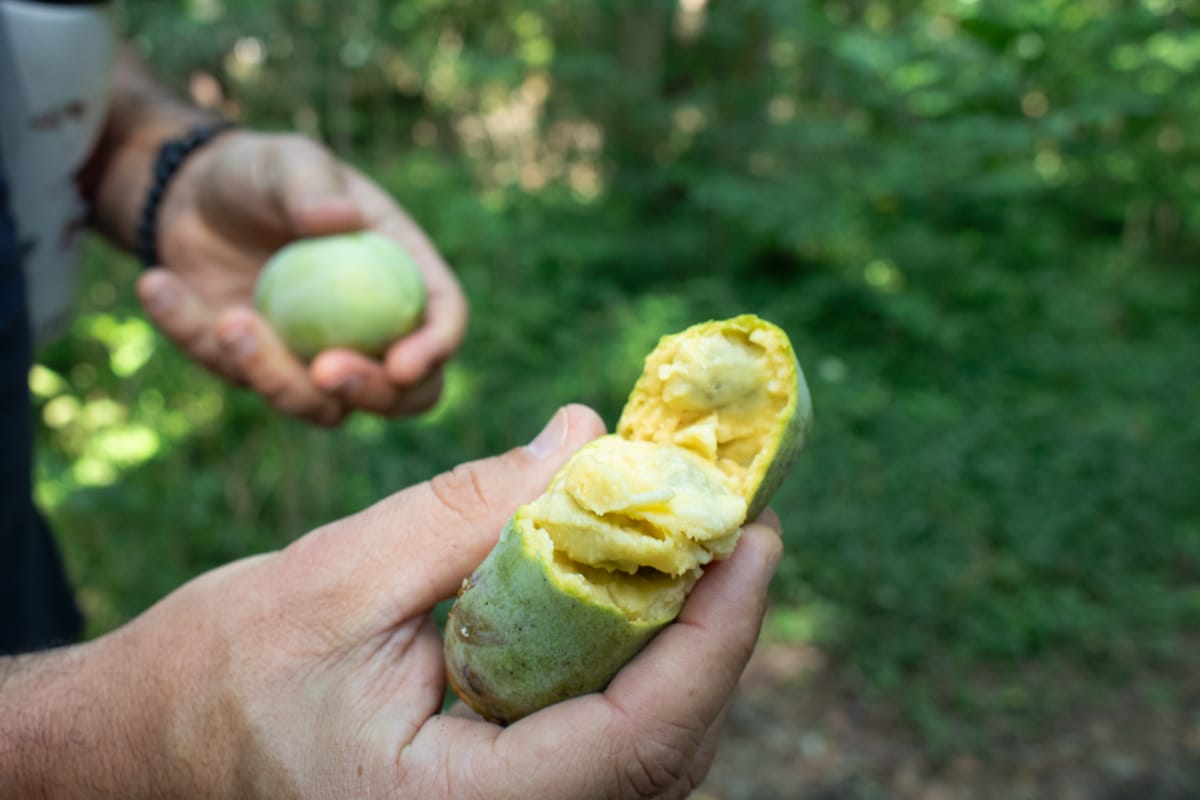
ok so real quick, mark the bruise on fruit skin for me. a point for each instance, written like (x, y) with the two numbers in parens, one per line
(472, 690)
(472, 682)
(470, 628)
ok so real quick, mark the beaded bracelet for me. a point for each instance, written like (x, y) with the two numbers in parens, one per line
(171, 156)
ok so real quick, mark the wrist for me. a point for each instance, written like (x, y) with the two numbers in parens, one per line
(169, 165)
(142, 115)
(75, 723)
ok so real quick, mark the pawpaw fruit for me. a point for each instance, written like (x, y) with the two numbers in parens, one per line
(362, 291)
(585, 575)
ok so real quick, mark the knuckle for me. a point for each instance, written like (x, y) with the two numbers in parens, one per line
(658, 764)
(697, 772)
(325, 415)
(416, 402)
(294, 148)
(282, 393)
(460, 491)
(311, 410)
(286, 390)
(302, 144)
(192, 335)
(276, 389)
(744, 650)
(193, 338)
(374, 396)
(225, 371)
(417, 776)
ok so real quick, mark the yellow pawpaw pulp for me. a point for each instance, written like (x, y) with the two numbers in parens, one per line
(585, 575)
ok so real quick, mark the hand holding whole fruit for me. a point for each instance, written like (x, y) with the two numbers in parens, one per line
(232, 205)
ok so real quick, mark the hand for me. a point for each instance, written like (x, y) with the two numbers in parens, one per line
(317, 671)
(235, 202)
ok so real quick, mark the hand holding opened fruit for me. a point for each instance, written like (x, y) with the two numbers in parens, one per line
(586, 574)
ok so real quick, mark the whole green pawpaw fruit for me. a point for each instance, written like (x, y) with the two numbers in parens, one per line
(359, 290)
(585, 575)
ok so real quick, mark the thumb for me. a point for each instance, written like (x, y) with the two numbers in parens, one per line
(405, 554)
(311, 187)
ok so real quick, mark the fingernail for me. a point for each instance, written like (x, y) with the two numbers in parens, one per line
(239, 341)
(552, 436)
(161, 300)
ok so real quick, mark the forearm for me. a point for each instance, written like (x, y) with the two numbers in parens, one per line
(70, 727)
(142, 115)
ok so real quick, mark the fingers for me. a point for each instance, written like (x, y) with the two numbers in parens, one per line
(362, 383)
(707, 753)
(410, 379)
(239, 346)
(446, 312)
(183, 317)
(405, 554)
(311, 187)
(650, 728)
(437, 339)
(707, 648)
(276, 188)
(267, 366)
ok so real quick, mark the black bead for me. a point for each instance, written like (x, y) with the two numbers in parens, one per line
(171, 156)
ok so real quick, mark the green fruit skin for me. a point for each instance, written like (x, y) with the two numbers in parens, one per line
(515, 642)
(361, 291)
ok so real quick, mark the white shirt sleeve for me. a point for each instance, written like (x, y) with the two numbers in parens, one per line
(55, 68)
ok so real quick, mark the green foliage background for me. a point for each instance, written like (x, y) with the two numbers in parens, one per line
(978, 221)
